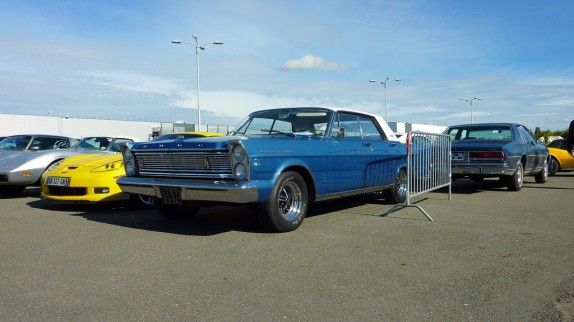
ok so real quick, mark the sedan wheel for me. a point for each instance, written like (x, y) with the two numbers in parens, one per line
(514, 182)
(398, 193)
(542, 176)
(287, 205)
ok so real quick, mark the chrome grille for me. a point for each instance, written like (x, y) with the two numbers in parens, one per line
(185, 164)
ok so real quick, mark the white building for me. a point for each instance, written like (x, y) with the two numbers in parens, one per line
(402, 127)
(75, 127)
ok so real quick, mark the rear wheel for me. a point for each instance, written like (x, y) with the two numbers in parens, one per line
(287, 204)
(398, 193)
(542, 176)
(554, 167)
(514, 182)
(175, 212)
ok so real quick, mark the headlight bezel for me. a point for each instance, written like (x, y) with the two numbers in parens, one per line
(239, 161)
(130, 166)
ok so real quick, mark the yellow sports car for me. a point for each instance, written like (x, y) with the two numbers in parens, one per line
(561, 159)
(91, 178)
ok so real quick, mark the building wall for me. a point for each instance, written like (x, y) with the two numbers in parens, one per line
(402, 127)
(12, 124)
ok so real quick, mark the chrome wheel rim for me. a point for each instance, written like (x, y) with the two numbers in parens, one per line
(290, 201)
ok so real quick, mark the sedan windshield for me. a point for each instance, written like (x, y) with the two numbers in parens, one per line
(300, 121)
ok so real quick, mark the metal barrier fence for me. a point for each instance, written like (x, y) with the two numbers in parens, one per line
(428, 167)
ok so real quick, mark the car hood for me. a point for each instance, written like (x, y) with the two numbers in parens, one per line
(92, 160)
(207, 143)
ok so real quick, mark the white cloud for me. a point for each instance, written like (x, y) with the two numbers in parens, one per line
(313, 62)
(134, 82)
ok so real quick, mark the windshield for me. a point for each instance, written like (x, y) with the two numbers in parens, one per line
(301, 121)
(93, 143)
(15, 143)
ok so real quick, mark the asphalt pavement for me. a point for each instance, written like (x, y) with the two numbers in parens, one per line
(489, 255)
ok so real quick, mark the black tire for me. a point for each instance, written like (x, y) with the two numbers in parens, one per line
(398, 193)
(11, 190)
(514, 182)
(554, 167)
(142, 202)
(175, 212)
(287, 205)
(542, 176)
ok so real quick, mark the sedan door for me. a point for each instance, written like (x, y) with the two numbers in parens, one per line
(535, 153)
(352, 153)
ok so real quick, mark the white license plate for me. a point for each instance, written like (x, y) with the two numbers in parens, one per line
(458, 156)
(58, 181)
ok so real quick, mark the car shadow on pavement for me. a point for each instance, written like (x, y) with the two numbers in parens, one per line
(207, 222)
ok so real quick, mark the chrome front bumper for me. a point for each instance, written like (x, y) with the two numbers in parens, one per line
(192, 190)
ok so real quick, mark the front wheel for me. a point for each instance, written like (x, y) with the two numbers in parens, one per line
(287, 204)
(514, 182)
(175, 212)
(398, 193)
(542, 176)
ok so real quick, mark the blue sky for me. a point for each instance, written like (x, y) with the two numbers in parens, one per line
(109, 58)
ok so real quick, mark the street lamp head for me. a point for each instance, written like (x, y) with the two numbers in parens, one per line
(373, 81)
(201, 47)
(177, 42)
(397, 79)
(194, 36)
(218, 42)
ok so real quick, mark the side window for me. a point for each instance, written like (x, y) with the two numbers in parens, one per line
(62, 144)
(526, 136)
(369, 129)
(348, 127)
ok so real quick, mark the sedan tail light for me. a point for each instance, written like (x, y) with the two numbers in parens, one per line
(486, 155)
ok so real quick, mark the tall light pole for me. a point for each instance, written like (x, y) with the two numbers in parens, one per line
(385, 85)
(197, 48)
(470, 101)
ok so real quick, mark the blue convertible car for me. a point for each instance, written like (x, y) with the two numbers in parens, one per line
(278, 160)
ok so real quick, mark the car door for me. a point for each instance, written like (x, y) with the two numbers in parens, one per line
(382, 166)
(535, 153)
(352, 154)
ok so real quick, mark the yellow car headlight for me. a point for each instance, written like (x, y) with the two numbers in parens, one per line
(112, 166)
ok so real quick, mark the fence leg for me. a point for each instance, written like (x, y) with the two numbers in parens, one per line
(406, 204)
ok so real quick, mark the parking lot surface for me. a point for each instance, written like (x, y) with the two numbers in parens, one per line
(489, 255)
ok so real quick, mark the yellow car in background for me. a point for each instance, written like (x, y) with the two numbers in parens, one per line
(91, 178)
(561, 159)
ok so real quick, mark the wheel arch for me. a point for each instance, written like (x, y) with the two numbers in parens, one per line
(308, 177)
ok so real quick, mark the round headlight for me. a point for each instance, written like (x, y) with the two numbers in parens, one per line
(238, 153)
(128, 155)
(240, 171)
(130, 168)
